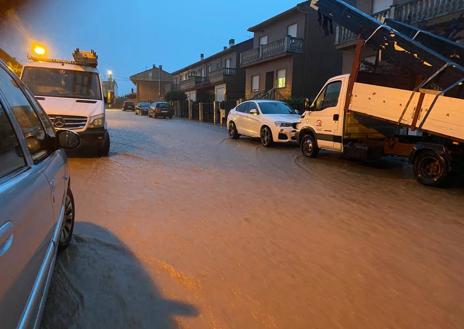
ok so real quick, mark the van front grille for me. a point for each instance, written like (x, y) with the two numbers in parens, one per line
(68, 122)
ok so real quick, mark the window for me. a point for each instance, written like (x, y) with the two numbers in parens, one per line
(228, 63)
(292, 30)
(255, 83)
(38, 142)
(11, 155)
(242, 107)
(63, 83)
(380, 5)
(263, 40)
(281, 78)
(275, 108)
(328, 97)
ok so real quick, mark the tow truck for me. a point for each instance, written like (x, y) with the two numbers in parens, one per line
(408, 103)
(70, 92)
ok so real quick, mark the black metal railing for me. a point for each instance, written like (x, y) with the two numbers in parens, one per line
(221, 74)
(272, 49)
(192, 82)
(412, 12)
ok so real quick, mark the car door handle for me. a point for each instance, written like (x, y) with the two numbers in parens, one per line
(336, 117)
(6, 237)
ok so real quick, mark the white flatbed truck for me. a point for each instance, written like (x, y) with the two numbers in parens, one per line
(367, 117)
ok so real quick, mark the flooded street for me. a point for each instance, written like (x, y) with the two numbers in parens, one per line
(181, 227)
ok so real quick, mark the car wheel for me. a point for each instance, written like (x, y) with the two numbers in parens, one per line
(104, 151)
(309, 146)
(233, 133)
(266, 136)
(67, 228)
(430, 168)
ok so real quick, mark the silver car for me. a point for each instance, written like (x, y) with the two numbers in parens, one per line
(36, 202)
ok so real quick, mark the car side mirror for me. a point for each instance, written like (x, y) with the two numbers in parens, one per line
(68, 139)
(254, 112)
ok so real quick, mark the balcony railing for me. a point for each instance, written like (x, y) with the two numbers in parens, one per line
(413, 12)
(272, 49)
(221, 74)
(192, 82)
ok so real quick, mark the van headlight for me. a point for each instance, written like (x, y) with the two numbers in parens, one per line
(97, 121)
(283, 124)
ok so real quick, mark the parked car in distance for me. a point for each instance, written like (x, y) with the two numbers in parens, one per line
(142, 108)
(128, 106)
(271, 121)
(160, 109)
(36, 202)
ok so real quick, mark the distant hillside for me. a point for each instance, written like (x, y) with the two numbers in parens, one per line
(11, 62)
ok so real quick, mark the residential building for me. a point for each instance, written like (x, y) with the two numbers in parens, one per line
(216, 78)
(152, 85)
(443, 17)
(110, 89)
(291, 57)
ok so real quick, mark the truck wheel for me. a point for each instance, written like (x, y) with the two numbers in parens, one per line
(104, 151)
(430, 168)
(309, 146)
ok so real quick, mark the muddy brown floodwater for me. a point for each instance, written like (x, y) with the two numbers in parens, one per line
(183, 228)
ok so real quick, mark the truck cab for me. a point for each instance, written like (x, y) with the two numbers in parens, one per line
(323, 123)
(70, 92)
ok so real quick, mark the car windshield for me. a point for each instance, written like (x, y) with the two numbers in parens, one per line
(275, 108)
(163, 105)
(62, 83)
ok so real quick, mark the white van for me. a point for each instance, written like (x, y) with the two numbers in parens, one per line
(71, 94)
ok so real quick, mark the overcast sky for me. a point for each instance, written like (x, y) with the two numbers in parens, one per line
(130, 36)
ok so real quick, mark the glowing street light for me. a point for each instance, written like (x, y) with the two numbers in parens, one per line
(109, 72)
(39, 50)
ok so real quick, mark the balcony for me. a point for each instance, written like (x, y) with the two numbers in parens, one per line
(413, 12)
(271, 50)
(192, 82)
(221, 75)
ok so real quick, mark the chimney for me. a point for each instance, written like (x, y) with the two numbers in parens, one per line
(225, 47)
(154, 66)
(161, 67)
(231, 43)
(202, 56)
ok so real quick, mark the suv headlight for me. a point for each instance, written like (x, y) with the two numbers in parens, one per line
(97, 121)
(283, 124)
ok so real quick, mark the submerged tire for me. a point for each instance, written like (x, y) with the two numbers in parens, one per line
(431, 169)
(104, 151)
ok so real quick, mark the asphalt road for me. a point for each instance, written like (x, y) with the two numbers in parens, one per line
(183, 228)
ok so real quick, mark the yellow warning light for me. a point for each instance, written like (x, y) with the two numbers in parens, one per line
(39, 50)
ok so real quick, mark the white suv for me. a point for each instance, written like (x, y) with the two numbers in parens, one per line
(271, 121)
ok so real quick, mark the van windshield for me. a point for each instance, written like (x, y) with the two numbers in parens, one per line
(62, 83)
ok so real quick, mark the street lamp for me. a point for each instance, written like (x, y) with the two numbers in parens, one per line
(110, 73)
(39, 50)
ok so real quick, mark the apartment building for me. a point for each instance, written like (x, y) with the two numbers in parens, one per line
(291, 57)
(216, 78)
(152, 84)
(443, 17)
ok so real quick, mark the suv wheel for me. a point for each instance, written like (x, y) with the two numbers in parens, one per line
(67, 228)
(266, 136)
(233, 133)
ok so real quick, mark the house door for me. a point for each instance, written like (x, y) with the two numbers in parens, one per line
(269, 80)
